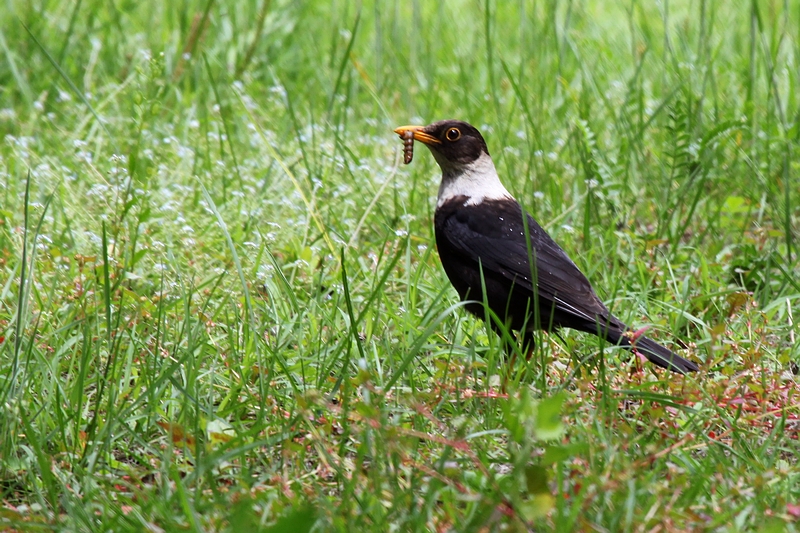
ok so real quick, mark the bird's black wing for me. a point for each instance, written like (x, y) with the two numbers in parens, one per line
(493, 234)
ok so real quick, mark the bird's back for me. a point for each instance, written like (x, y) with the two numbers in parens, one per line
(488, 245)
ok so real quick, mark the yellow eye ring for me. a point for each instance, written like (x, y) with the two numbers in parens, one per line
(453, 134)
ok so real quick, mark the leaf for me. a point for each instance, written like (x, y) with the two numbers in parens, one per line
(219, 431)
(307, 254)
(242, 516)
(539, 501)
(548, 420)
(536, 507)
(520, 416)
(736, 301)
(536, 479)
(736, 205)
(773, 525)
(297, 521)
(556, 454)
(177, 433)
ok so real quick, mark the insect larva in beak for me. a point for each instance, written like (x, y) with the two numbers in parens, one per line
(408, 146)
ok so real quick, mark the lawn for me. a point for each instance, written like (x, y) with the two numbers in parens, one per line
(222, 309)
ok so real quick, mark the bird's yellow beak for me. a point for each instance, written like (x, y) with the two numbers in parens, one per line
(419, 134)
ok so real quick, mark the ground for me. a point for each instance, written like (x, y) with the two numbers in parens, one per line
(221, 307)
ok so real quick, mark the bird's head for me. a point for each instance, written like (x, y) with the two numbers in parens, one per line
(460, 151)
(453, 143)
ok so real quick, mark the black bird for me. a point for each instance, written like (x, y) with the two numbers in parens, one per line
(483, 242)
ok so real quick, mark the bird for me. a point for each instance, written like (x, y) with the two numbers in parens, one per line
(487, 241)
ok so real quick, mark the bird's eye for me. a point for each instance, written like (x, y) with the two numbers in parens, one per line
(453, 134)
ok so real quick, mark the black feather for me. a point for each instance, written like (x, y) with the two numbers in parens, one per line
(485, 245)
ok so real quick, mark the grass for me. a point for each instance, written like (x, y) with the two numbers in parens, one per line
(221, 307)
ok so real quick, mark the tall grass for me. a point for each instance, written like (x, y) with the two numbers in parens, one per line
(221, 306)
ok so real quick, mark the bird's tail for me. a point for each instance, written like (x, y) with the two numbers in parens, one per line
(654, 352)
